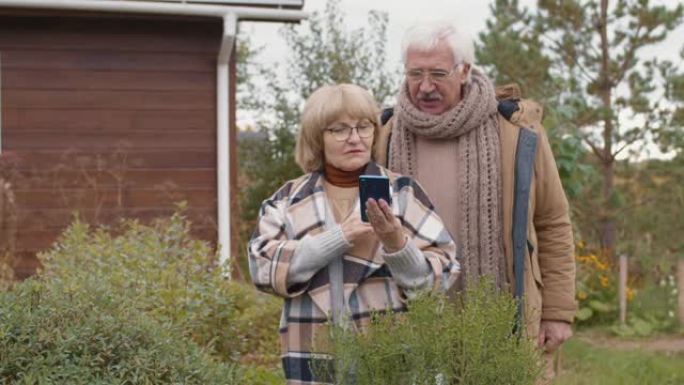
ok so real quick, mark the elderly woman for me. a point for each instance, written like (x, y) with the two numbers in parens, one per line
(311, 247)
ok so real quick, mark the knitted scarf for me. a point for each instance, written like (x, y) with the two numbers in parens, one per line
(473, 128)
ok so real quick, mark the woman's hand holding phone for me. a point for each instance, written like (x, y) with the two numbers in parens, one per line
(387, 227)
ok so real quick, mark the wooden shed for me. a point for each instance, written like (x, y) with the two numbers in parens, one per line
(118, 109)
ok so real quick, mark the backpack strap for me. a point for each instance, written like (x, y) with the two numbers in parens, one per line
(386, 115)
(507, 107)
(524, 170)
(525, 154)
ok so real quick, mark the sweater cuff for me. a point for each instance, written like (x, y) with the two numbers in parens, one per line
(315, 252)
(409, 267)
(332, 241)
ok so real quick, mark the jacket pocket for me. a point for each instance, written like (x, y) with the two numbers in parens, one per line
(534, 264)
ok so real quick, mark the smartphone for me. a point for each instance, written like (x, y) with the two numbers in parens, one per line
(373, 186)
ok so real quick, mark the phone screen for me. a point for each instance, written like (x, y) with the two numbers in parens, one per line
(373, 186)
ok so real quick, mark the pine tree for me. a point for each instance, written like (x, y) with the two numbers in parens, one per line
(584, 61)
(671, 136)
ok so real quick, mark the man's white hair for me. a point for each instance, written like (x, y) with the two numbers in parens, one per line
(427, 35)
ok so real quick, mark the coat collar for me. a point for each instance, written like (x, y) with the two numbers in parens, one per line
(314, 182)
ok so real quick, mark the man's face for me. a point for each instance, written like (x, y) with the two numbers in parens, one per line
(436, 93)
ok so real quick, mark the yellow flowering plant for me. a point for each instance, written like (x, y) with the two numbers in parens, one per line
(597, 286)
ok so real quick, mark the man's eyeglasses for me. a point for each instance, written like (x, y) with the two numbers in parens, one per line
(417, 75)
(341, 132)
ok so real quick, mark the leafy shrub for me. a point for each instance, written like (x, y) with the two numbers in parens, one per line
(653, 310)
(133, 304)
(657, 303)
(469, 341)
(61, 332)
(650, 305)
(597, 293)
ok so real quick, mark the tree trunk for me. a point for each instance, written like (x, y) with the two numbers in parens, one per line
(680, 290)
(622, 289)
(607, 212)
(607, 159)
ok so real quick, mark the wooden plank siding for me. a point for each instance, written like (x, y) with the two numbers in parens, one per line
(111, 116)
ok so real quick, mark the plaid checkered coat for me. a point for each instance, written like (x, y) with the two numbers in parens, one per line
(297, 209)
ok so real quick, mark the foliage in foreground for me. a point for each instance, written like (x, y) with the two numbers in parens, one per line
(81, 334)
(466, 341)
(143, 306)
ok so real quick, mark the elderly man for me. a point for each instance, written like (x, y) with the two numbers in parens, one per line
(488, 167)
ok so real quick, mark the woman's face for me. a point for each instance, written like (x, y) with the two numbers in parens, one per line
(346, 149)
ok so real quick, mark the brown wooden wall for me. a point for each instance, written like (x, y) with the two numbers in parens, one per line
(113, 117)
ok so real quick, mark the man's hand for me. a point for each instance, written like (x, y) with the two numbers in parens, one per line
(552, 334)
(386, 226)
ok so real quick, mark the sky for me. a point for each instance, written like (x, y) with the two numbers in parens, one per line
(469, 15)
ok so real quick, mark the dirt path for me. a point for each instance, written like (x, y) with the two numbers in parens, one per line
(673, 344)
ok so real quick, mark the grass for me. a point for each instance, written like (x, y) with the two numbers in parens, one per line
(583, 364)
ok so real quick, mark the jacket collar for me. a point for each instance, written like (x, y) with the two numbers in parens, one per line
(315, 180)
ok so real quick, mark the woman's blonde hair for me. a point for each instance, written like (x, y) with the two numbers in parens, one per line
(324, 106)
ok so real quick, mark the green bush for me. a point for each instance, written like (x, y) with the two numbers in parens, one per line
(61, 333)
(468, 341)
(133, 304)
(652, 310)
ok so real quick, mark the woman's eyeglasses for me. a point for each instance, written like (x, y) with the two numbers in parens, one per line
(342, 132)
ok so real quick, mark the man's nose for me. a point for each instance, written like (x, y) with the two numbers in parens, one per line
(426, 85)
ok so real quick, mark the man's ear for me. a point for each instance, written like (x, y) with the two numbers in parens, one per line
(465, 70)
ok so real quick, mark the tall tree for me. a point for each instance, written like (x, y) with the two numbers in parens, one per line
(655, 197)
(671, 137)
(585, 60)
(322, 50)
